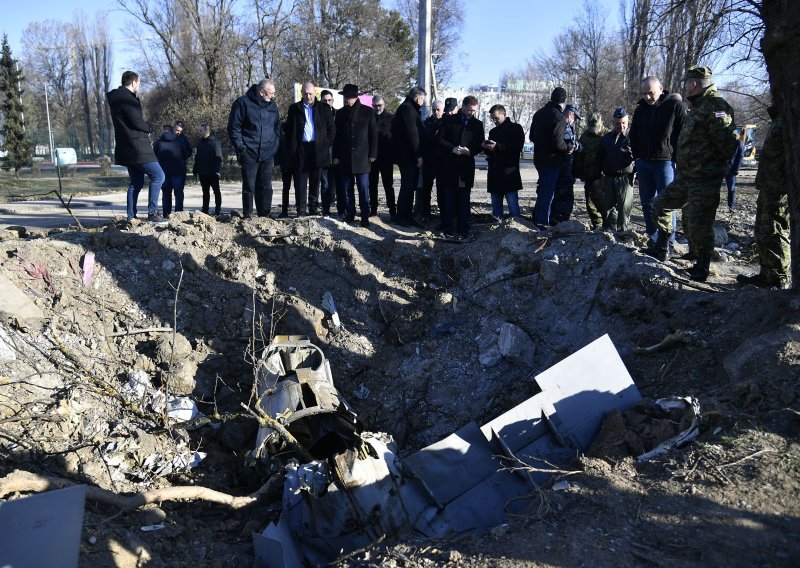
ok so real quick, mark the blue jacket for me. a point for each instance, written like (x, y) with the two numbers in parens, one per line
(254, 126)
(736, 160)
(172, 152)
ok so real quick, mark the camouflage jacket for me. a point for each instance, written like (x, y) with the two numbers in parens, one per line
(707, 139)
(584, 166)
(771, 162)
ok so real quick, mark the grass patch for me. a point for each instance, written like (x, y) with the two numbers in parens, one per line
(37, 186)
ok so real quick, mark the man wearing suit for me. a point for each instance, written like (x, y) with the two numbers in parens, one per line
(460, 138)
(354, 149)
(408, 143)
(309, 134)
(383, 167)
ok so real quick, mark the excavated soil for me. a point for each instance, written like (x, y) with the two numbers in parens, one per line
(185, 308)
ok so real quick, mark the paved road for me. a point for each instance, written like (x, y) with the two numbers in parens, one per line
(96, 210)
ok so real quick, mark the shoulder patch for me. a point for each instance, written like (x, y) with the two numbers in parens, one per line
(720, 113)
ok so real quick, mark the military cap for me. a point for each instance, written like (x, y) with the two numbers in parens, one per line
(620, 112)
(698, 72)
(574, 110)
(179, 123)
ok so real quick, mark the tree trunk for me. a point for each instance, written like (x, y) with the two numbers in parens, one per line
(781, 48)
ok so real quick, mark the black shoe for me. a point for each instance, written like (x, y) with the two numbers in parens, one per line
(364, 222)
(701, 269)
(691, 255)
(349, 218)
(156, 219)
(283, 214)
(760, 281)
(392, 215)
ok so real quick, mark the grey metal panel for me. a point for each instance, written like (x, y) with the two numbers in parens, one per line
(452, 466)
(519, 426)
(42, 530)
(585, 386)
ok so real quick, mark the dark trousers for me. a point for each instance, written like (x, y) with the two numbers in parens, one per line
(286, 183)
(386, 173)
(173, 182)
(545, 191)
(306, 181)
(256, 185)
(730, 182)
(564, 198)
(328, 193)
(422, 204)
(456, 204)
(409, 175)
(362, 185)
(207, 183)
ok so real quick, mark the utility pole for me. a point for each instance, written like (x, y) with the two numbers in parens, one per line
(424, 54)
(49, 130)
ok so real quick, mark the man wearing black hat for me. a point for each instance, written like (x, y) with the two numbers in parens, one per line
(615, 160)
(706, 143)
(354, 149)
(550, 151)
(450, 106)
(254, 129)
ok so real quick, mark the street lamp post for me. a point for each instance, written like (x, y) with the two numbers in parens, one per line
(49, 129)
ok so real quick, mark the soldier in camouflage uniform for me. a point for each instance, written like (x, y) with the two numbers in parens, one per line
(584, 168)
(772, 217)
(706, 143)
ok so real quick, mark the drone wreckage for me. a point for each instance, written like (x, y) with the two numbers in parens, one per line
(356, 489)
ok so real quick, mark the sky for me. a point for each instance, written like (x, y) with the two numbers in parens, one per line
(497, 35)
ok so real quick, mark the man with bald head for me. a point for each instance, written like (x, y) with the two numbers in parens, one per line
(654, 134)
(309, 134)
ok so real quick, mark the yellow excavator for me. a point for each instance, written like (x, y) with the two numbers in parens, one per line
(748, 135)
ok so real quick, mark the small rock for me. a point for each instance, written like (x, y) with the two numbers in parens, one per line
(488, 350)
(549, 272)
(443, 300)
(568, 228)
(515, 345)
(165, 352)
(168, 265)
(181, 378)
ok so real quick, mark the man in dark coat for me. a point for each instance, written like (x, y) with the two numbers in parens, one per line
(354, 149)
(655, 128)
(550, 151)
(383, 166)
(460, 139)
(408, 144)
(309, 134)
(207, 167)
(564, 199)
(172, 150)
(502, 150)
(133, 148)
(254, 129)
(422, 205)
(328, 180)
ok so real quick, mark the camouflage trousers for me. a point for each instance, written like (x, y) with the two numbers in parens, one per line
(617, 202)
(594, 201)
(699, 199)
(772, 233)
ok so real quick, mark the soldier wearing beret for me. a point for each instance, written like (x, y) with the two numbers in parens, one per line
(584, 168)
(706, 143)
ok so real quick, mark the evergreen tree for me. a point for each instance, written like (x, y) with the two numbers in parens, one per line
(13, 129)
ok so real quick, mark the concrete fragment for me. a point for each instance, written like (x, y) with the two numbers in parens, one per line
(14, 303)
(515, 345)
(164, 348)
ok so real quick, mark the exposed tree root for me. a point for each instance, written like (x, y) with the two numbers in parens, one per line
(25, 481)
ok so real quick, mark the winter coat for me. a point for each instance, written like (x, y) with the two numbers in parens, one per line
(503, 176)
(430, 159)
(172, 152)
(454, 170)
(547, 134)
(584, 165)
(707, 139)
(131, 132)
(324, 133)
(254, 125)
(384, 121)
(655, 128)
(356, 139)
(614, 156)
(408, 134)
(208, 159)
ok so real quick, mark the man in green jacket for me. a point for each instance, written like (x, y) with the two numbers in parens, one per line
(706, 143)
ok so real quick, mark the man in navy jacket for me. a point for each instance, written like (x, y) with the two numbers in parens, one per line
(254, 128)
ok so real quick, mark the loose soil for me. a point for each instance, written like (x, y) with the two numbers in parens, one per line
(417, 312)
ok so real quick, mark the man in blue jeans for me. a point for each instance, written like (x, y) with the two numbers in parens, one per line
(173, 150)
(654, 133)
(132, 146)
(550, 150)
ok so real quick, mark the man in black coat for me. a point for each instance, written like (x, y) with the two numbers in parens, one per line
(132, 146)
(328, 182)
(430, 162)
(354, 149)
(254, 129)
(459, 140)
(502, 150)
(208, 167)
(550, 151)
(309, 133)
(383, 166)
(408, 144)
(173, 150)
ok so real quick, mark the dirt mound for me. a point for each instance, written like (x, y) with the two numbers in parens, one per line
(434, 334)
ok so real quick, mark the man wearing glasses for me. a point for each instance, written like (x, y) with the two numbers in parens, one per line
(254, 129)
(383, 166)
(328, 182)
